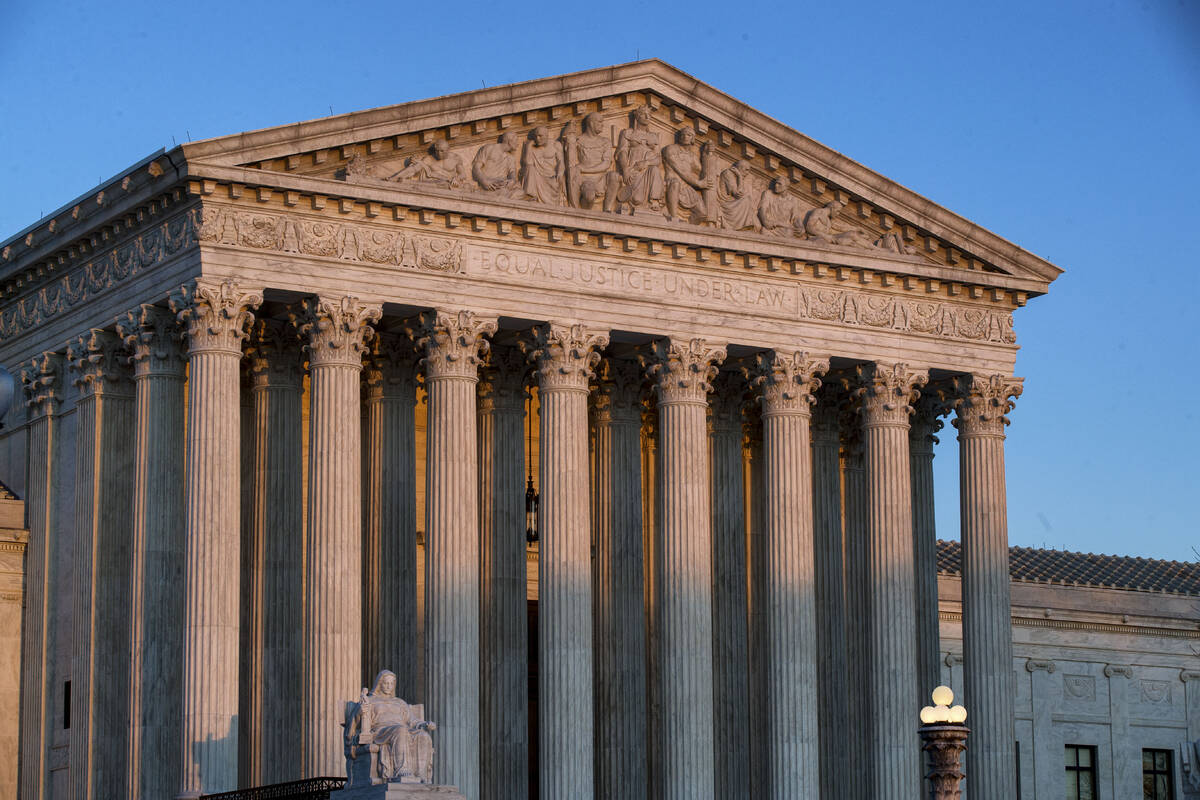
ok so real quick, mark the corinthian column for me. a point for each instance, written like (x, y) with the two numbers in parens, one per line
(682, 373)
(42, 381)
(786, 383)
(215, 316)
(565, 356)
(156, 554)
(858, 601)
(887, 396)
(453, 344)
(334, 331)
(504, 661)
(731, 695)
(274, 539)
(103, 502)
(620, 633)
(921, 439)
(987, 633)
(756, 558)
(652, 569)
(832, 685)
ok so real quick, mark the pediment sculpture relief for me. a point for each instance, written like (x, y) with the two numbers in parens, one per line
(589, 165)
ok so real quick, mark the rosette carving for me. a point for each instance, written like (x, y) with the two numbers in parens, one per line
(786, 383)
(683, 373)
(983, 402)
(41, 378)
(335, 330)
(888, 392)
(100, 364)
(215, 314)
(453, 343)
(617, 396)
(565, 355)
(152, 334)
(273, 355)
(502, 379)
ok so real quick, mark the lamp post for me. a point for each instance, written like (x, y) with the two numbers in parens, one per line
(944, 737)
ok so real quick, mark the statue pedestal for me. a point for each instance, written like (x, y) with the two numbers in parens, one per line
(398, 791)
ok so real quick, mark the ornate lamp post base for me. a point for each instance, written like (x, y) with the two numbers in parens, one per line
(945, 742)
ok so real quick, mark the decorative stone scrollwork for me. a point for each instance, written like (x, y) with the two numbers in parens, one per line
(215, 314)
(1124, 670)
(502, 378)
(453, 343)
(41, 378)
(982, 403)
(888, 392)
(617, 396)
(154, 337)
(273, 354)
(335, 330)
(683, 372)
(565, 355)
(1034, 665)
(100, 364)
(786, 384)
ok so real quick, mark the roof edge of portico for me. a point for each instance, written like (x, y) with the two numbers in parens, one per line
(651, 75)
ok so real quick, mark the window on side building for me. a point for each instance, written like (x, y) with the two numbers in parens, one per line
(1157, 775)
(1081, 772)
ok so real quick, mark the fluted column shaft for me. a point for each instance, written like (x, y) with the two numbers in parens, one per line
(215, 316)
(921, 438)
(756, 563)
(987, 620)
(619, 608)
(683, 373)
(103, 502)
(731, 693)
(335, 330)
(42, 381)
(858, 609)
(274, 543)
(390, 515)
(504, 667)
(565, 356)
(156, 606)
(833, 686)
(786, 383)
(452, 344)
(652, 555)
(887, 395)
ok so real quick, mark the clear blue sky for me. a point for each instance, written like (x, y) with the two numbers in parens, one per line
(1070, 128)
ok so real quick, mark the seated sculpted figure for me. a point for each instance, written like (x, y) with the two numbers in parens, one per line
(386, 738)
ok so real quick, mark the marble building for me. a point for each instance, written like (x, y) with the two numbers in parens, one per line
(257, 368)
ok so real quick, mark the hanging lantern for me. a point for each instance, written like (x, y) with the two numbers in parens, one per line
(532, 500)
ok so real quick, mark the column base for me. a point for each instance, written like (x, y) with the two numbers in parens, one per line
(398, 791)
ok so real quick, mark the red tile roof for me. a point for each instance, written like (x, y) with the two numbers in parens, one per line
(1086, 569)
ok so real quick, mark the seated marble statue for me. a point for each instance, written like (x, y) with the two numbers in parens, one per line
(387, 739)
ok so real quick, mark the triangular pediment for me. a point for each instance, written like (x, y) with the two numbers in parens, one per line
(644, 141)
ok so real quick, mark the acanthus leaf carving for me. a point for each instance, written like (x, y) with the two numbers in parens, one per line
(389, 367)
(787, 383)
(729, 400)
(153, 336)
(618, 391)
(683, 371)
(100, 364)
(888, 392)
(215, 314)
(983, 403)
(41, 379)
(335, 330)
(453, 343)
(502, 377)
(273, 355)
(565, 355)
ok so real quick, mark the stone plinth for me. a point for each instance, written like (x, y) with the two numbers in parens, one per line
(398, 791)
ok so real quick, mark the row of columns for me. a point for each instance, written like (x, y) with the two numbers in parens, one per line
(658, 625)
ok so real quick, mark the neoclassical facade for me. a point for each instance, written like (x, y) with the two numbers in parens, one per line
(282, 390)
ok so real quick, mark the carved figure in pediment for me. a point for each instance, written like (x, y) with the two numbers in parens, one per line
(542, 167)
(590, 172)
(686, 182)
(738, 198)
(357, 169)
(440, 168)
(639, 164)
(777, 209)
(893, 242)
(819, 227)
(495, 167)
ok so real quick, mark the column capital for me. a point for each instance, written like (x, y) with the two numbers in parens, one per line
(41, 378)
(617, 396)
(826, 414)
(1034, 665)
(683, 372)
(786, 381)
(502, 376)
(983, 401)
(1123, 670)
(453, 343)
(926, 420)
(1189, 675)
(389, 367)
(152, 334)
(215, 314)
(888, 392)
(273, 355)
(728, 401)
(100, 364)
(565, 355)
(335, 329)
